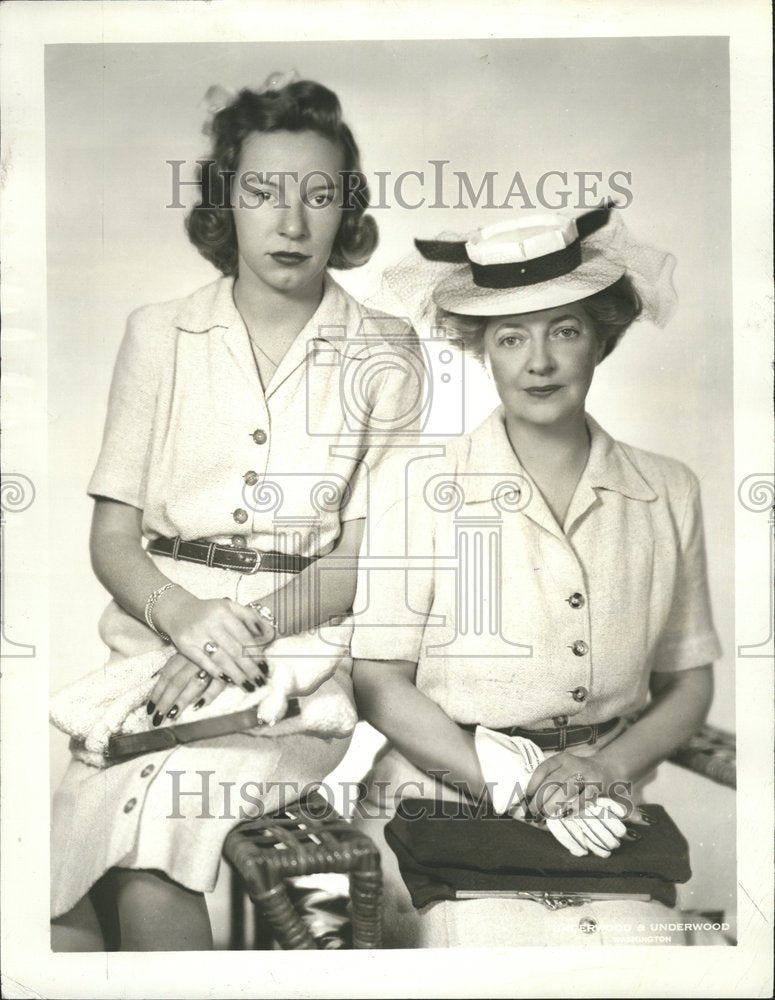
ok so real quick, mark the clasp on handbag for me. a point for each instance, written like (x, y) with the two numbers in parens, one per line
(552, 900)
(557, 900)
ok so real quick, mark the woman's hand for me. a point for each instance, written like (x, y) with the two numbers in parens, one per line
(565, 780)
(572, 793)
(232, 633)
(181, 683)
(220, 637)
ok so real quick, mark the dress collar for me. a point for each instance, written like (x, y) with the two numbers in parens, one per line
(208, 308)
(610, 468)
(493, 473)
(212, 307)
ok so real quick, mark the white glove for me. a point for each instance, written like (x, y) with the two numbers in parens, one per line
(599, 830)
(507, 764)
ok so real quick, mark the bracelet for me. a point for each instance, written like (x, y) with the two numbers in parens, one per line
(264, 612)
(149, 606)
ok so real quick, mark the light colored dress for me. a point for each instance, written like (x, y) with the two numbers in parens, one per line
(514, 620)
(194, 441)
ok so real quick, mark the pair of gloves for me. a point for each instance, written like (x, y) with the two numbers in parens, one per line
(508, 762)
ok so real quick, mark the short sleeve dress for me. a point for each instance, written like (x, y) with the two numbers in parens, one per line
(514, 620)
(195, 442)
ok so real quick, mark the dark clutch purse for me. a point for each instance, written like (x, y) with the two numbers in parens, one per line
(126, 746)
(451, 850)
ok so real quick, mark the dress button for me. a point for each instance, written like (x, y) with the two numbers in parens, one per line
(576, 600)
(259, 436)
(587, 925)
(129, 806)
(580, 648)
(148, 769)
(240, 515)
(579, 694)
(251, 478)
(238, 542)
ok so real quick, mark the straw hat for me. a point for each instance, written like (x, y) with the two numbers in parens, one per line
(526, 264)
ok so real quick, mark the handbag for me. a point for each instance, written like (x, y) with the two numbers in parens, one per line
(125, 746)
(104, 712)
(453, 850)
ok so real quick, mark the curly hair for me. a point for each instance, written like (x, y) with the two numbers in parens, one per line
(303, 106)
(611, 310)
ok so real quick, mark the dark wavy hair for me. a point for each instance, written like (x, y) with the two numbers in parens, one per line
(303, 106)
(611, 310)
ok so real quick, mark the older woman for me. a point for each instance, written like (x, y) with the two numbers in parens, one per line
(544, 623)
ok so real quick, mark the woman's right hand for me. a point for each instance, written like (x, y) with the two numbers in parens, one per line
(219, 636)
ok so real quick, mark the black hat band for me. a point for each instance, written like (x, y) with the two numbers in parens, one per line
(528, 272)
(519, 273)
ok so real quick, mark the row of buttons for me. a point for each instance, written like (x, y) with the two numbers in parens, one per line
(131, 803)
(240, 515)
(579, 648)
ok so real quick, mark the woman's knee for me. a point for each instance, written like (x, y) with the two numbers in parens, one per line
(158, 914)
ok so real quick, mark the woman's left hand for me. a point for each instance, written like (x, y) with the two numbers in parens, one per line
(181, 683)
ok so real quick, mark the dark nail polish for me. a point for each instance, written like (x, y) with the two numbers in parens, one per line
(157, 719)
(226, 679)
(172, 712)
(260, 681)
(248, 686)
(150, 708)
(263, 668)
(199, 704)
(631, 835)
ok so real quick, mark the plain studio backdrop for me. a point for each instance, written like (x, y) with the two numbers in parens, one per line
(653, 109)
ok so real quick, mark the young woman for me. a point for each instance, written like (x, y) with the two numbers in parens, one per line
(549, 622)
(219, 453)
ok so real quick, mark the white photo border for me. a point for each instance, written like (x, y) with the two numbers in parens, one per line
(30, 969)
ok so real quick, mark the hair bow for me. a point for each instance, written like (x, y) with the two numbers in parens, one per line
(218, 97)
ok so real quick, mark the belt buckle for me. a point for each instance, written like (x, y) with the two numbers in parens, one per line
(256, 566)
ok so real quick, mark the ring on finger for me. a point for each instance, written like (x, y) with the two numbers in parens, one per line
(211, 648)
(203, 675)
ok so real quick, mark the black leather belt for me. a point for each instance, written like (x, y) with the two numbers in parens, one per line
(127, 745)
(228, 556)
(555, 739)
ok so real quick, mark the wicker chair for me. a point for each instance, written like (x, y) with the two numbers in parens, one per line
(308, 838)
